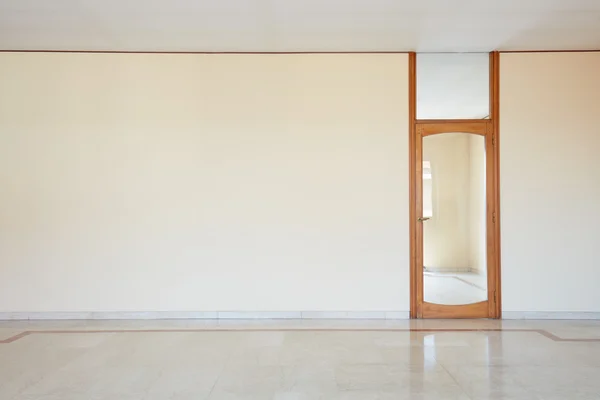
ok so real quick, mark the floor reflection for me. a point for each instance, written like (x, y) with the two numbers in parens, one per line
(282, 360)
(454, 288)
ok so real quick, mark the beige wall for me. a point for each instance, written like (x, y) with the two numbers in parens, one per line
(134, 182)
(550, 181)
(220, 182)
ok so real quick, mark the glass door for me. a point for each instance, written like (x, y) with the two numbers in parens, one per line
(453, 216)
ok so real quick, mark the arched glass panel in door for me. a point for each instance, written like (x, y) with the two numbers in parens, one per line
(454, 240)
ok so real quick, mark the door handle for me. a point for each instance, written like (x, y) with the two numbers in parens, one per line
(423, 219)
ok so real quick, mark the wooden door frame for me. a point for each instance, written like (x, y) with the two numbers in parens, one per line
(492, 308)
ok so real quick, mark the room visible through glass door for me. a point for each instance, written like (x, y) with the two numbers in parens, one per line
(454, 219)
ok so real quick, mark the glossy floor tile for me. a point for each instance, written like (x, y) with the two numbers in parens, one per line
(293, 360)
(454, 288)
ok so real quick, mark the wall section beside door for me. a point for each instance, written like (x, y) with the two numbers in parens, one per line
(550, 182)
(204, 182)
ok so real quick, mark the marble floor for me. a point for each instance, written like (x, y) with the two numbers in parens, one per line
(294, 360)
(454, 288)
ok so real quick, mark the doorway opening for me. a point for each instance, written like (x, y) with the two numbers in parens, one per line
(455, 264)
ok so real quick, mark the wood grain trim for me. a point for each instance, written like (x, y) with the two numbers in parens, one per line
(490, 221)
(479, 127)
(418, 187)
(412, 116)
(542, 332)
(475, 310)
(496, 311)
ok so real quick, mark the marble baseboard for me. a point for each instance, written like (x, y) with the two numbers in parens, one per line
(550, 315)
(241, 315)
(151, 315)
(355, 315)
(259, 315)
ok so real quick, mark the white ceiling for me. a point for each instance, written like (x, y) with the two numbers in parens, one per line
(300, 25)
